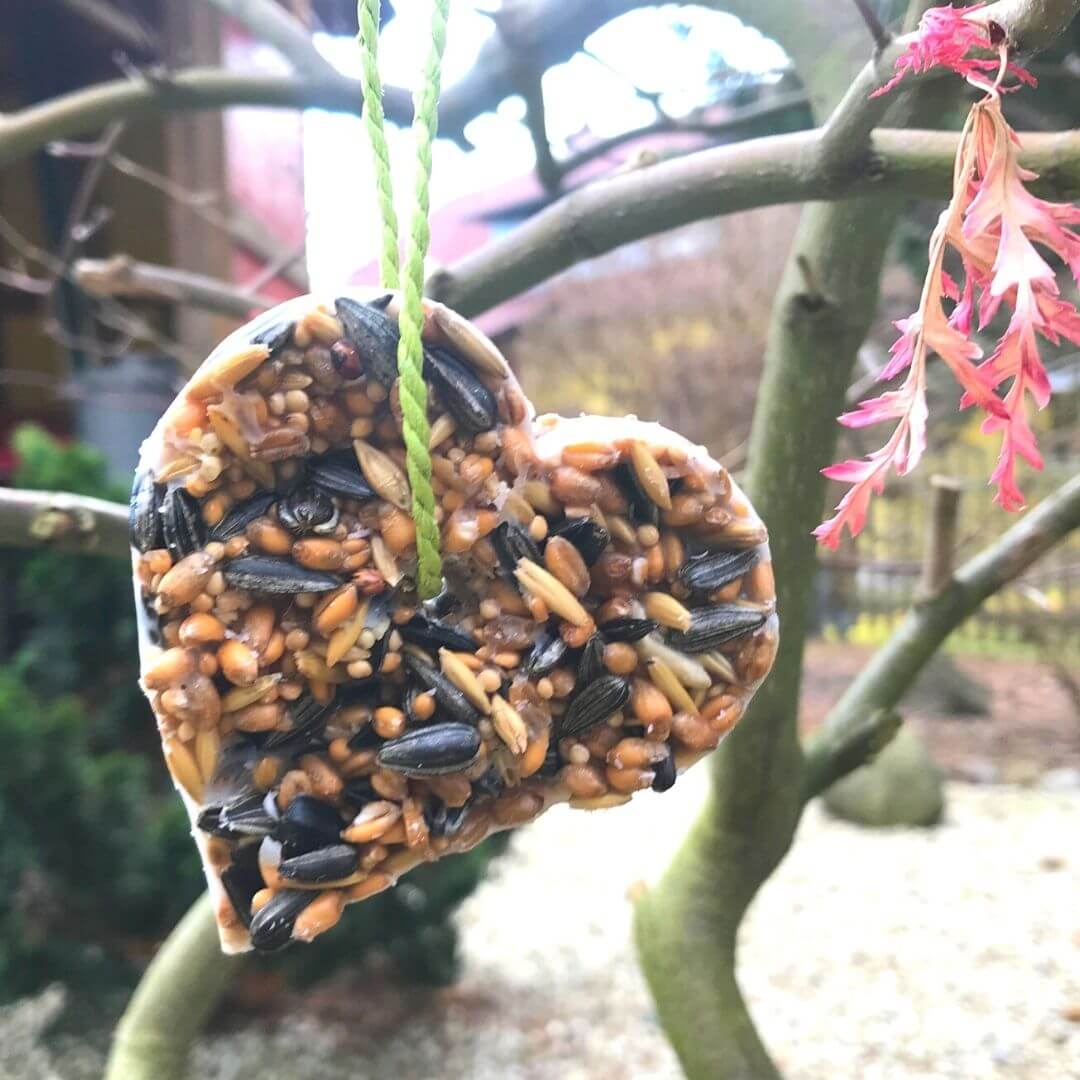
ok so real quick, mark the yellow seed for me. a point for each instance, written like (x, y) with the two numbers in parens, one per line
(184, 770)
(664, 678)
(546, 587)
(322, 326)
(508, 725)
(718, 664)
(441, 430)
(383, 474)
(207, 746)
(226, 371)
(340, 607)
(600, 802)
(346, 636)
(650, 475)
(181, 464)
(240, 697)
(666, 610)
(228, 431)
(384, 561)
(474, 346)
(459, 673)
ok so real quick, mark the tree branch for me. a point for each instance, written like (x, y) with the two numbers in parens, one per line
(62, 522)
(124, 29)
(274, 24)
(121, 275)
(783, 110)
(894, 668)
(722, 180)
(183, 983)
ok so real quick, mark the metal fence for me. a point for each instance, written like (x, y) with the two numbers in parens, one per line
(865, 588)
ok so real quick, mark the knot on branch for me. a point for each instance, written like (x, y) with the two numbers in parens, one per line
(56, 523)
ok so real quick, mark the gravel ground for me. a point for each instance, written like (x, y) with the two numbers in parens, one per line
(904, 954)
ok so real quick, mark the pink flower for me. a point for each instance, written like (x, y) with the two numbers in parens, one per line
(999, 231)
(945, 37)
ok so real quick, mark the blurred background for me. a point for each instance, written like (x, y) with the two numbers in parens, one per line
(124, 257)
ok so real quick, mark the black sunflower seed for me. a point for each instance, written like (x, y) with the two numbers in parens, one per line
(276, 336)
(626, 628)
(246, 816)
(594, 704)
(306, 509)
(714, 569)
(546, 654)
(432, 751)
(664, 774)
(266, 574)
(144, 513)
(272, 925)
(446, 693)
(242, 515)
(468, 400)
(432, 635)
(643, 511)
(307, 824)
(359, 792)
(325, 864)
(713, 625)
(182, 524)
(242, 880)
(374, 336)
(591, 662)
(490, 784)
(586, 535)
(338, 472)
(443, 820)
(308, 718)
(512, 542)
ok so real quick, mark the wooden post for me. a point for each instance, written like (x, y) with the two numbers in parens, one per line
(939, 554)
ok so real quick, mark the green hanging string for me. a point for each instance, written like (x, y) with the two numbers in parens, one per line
(411, 386)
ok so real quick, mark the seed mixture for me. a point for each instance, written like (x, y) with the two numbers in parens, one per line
(608, 609)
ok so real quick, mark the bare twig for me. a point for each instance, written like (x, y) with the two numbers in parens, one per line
(774, 110)
(893, 668)
(275, 25)
(123, 28)
(760, 172)
(64, 522)
(547, 170)
(120, 275)
(881, 36)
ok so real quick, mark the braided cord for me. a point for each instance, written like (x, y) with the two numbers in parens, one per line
(367, 14)
(411, 385)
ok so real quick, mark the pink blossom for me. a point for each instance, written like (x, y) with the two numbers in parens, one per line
(945, 37)
(1000, 232)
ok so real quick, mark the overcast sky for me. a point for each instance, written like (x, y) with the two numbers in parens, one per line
(669, 50)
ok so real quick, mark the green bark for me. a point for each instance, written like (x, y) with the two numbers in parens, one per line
(179, 990)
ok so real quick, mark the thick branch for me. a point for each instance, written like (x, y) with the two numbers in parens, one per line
(894, 668)
(1028, 24)
(120, 275)
(180, 988)
(722, 180)
(64, 522)
(272, 23)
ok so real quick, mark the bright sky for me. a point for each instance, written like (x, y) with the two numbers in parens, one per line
(668, 50)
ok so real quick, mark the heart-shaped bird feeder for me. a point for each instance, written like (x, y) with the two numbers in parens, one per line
(607, 613)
